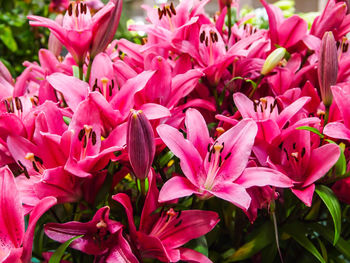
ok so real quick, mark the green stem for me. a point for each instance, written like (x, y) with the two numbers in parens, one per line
(88, 73)
(229, 17)
(251, 94)
(326, 116)
(143, 187)
(81, 72)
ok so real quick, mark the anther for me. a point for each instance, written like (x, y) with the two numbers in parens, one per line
(18, 103)
(178, 214)
(294, 145)
(160, 13)
(168, 12)
(93, 138)
(208, 147)
(35, 166)
(172, 8)
(81, 134)
(202, 37)
(7, 106)
(76, 11)
(81, 7)
(178, 223)
(303, 152)
(38, 159)
(206, 41)
(216, 37)
(223, 145)
(220, 161)
(227, 156)
(70, 10)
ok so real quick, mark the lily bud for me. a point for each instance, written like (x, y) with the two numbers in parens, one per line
(140, 143)
(55, 46)
(223, 3)
(104, 31)
(272, 60)
(327, 67)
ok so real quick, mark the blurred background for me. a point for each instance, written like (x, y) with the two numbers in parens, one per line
(19, 42)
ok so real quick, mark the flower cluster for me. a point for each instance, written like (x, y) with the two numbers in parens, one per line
(137, 149)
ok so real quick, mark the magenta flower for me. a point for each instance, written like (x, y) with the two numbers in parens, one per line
(266, 114)
(304, 162)
(78, 28)
(215, 167)
(340, 130)
(16, 244)
(161, 235)
(102, 237)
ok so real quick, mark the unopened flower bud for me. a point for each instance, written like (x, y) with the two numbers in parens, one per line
(272, 60)
(327, 67)
(223, 3)
(140, 143)
(55, 46)
(104, 32)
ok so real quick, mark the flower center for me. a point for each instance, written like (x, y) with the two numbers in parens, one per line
(84, 136)
(37, 162)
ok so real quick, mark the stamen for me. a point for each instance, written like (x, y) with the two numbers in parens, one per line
(7, 106)
(168, 12)
(172, 8)
(70, 10)
(178, 223)
(227, 156)
(294, 145)
(93, 138)
(178, 214)
(160, 13)
(81, 134)
(76, 11)
(202, 37)
(18, 103)
(35, 167)
(38, 159)
(303, 151)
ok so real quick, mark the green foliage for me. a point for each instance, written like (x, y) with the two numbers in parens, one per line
(58, 254)
(18, 41)
(332, 203)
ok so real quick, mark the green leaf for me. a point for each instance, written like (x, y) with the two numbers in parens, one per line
(311, 129)
(332, 203)
(342, 246)
(298, 232)
(164, 160)
(58, 254)
(200, 245)
(66, 120)
(75, 71)
(7, 38)
(264, 237)
(340, 165)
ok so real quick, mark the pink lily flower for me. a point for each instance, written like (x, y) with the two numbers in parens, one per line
(304, 162)
(215, 168)
(161, 235)
(78, 28)
(284, 32)
(338, 129)
(16, 244)
(102, 237)
(265, 113)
